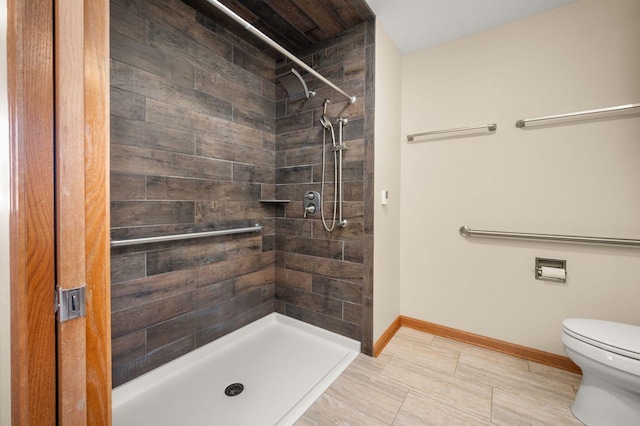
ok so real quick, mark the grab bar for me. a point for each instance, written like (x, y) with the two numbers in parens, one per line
(623, 109)
(466, 232)
(134, 241)
(489, 127)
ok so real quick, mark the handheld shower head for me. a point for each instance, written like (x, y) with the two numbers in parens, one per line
(326, 123)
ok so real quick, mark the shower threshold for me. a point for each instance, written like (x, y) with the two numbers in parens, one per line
(283, 365)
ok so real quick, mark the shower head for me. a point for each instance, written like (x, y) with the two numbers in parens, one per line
(295, 86)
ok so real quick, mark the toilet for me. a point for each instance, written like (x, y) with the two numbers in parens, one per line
(609, 355)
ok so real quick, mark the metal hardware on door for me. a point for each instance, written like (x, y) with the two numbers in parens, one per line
(71, 303)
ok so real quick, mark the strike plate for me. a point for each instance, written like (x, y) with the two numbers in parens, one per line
(71, 303)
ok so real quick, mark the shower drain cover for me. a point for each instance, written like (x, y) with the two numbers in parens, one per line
(234, 389)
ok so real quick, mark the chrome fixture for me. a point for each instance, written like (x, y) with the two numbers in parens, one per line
(466, 232)
(133, 241)
(489, 127)
(337, 147)
(312, 203)
(581, 115)
(295, 86)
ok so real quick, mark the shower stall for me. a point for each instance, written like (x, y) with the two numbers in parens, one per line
(206, 139)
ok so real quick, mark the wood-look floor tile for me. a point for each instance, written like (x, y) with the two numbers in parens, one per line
(423, 352)
(328, 410)
(417, 334)
(489, 355)
(419, 410)
(378, 399)
(369, 365)
(443, 387)
(518, 382)
(509, 409)
(555, 373)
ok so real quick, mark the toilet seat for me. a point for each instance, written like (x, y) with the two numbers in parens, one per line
(621, 339)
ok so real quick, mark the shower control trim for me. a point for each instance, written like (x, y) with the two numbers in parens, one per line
(311, 204)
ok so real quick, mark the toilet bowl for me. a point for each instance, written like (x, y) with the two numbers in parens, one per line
(609, 355)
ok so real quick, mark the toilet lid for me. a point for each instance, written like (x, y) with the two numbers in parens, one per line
(623, 339)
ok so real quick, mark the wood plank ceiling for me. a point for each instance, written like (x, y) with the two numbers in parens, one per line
(295, 24)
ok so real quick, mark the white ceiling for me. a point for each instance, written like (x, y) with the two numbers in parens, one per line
(417, 24)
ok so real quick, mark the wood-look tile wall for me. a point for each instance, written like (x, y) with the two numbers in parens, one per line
(325, 278)
(192, 149)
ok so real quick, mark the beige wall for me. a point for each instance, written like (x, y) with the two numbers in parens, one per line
(580, 179)
(5, 329)
(387, 177)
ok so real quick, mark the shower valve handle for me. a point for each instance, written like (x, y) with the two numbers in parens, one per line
(311, 209)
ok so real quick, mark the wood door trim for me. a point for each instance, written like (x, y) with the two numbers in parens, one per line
(32, 239)
(96, 163)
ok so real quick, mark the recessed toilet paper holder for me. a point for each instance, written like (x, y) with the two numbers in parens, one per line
(551, 270)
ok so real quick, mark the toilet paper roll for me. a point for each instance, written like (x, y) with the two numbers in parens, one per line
(548, 272)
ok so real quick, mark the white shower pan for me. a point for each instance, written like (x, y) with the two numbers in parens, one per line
(284, 365)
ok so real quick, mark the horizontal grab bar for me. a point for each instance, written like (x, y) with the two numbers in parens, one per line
(622, 109)
(134, 241)
(466, 232)
(489, 127)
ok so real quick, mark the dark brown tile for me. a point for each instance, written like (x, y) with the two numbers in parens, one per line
(167, 188)
(135, 213)
(201, 56)
(216, 330)
(309, 301)
(299, 174)
(127, 187)
(126, 23)
(214, 250)
(136, 292)
(291, 123)
(162, 113)
(145, 135)
(146, 315)
(338, 289)
(310, 246)
(128, 159)
(352, 313)
(250, 173)
(127, 348)
(211, 211)
(343, 328)
(134, 80)
(258, 279)
(145, 57)
(122, 373)
(127, 267)
(295, 279)
(237, 94)
(201, 319)
(127, 104)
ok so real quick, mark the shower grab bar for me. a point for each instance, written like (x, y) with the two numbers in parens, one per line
(622, 109)
(247, 26)
(466, 232)
(145, 240)
(489, 127)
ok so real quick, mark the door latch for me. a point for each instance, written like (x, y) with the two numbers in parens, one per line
(71, 303)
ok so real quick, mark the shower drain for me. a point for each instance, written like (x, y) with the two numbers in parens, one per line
(234, 389)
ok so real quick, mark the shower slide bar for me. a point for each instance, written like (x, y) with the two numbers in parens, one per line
(621, 109)
(466, 232)
(247, 26)
(489, 127)
(134, 241)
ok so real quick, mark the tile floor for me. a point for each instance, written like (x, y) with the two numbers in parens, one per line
(422, 379)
